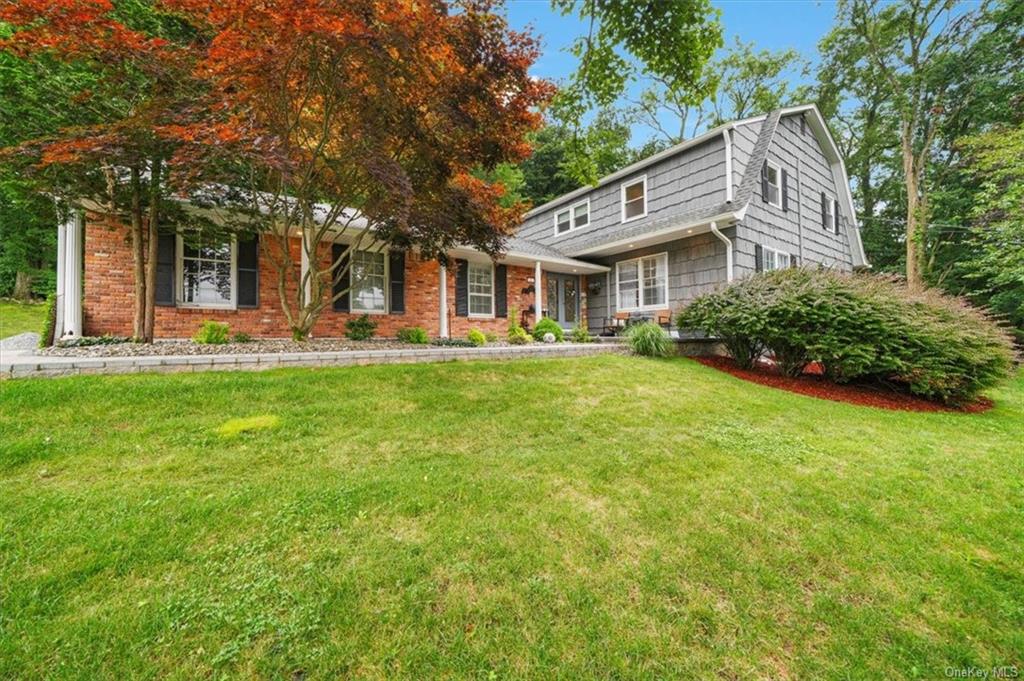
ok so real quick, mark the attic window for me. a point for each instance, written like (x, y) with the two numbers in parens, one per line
(634, 199)
(773, 184)
(572, 218)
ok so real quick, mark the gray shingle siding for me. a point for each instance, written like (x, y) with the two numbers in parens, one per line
(695, 265)
(798, 229)
(687, 182)
(744, 138)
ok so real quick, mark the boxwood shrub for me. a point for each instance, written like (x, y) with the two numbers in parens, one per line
(859, 327)
(548, 325)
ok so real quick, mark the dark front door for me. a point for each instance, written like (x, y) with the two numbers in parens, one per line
(563, 299)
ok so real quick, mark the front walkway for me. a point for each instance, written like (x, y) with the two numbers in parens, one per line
(25, 365)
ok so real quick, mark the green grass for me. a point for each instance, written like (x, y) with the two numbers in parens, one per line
(609, 517)
(18, 317)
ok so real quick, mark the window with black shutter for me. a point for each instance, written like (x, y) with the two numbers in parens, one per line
(758, 258)
(248, 271)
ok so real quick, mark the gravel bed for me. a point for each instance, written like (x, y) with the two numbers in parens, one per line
(164, 348)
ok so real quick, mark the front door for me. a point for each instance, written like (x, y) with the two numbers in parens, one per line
(563, 300)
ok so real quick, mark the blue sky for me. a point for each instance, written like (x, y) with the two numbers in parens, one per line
(770, 24)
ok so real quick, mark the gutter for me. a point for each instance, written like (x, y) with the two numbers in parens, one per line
(728, 250)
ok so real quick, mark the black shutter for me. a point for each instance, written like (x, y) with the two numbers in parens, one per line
(794, 261)
(785, 190)
(501, 291)
(764, 182)
(341, 251)
(248, 271)
(824, 213)
(166, 256)
(397, 267)
(461, 288)
(758, 258)
(835, 211)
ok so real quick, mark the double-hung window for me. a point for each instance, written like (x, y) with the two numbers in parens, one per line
(481, 289)
(774, 260)
(642, 283)
(634, 199)
(571, 218)
(773, 177)
(369, 282)
(830, 215)
(207, 271)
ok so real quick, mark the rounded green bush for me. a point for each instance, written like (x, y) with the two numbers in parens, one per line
(649, 339)
(548, 325)
(477, 337)
(212, 333)
(858, 327)
(414, 335)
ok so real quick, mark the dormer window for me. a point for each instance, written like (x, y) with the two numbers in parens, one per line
(574, 217)
(772, 184)
(634, 199)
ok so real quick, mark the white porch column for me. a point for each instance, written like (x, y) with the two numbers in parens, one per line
(73, 277)
(537, 314)
(58, 323)
(442, 311)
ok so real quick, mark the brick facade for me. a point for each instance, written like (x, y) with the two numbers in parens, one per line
(108, 297)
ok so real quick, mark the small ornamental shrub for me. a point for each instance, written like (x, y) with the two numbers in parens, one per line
(649, 339)
(360, 328)
(452, 343)
(491, 336)
(518, 336)
(212, 333)
(49, 321)
(88, 341)
(580, 334)
(414, 335)
(548, 325)
(858, 327)
(477, 337)
(241, 337)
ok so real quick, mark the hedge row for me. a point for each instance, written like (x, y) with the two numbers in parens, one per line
(859, 327)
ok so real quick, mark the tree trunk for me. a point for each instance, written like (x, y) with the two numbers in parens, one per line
(138, 257)
(913, 215)
(152, 240)
(22, 286)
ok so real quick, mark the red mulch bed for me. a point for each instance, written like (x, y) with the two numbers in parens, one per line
(812, 383)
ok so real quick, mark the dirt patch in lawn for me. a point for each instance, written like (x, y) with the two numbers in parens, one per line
(812, 383)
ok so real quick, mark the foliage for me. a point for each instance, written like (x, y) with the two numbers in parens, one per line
(548, 325)
(212, 333)
(360, 328)
(28, 237)
(580, 334)
(49, 321)
(17, 317)
(415, 335)
(859, 327)
(649, 340)
(89, 341)
(490, 337)
(519, 336)
(477, 337)
(994, 267)
(241, 337)
(452, 343)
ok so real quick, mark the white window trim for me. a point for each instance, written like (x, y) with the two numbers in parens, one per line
(387, 284)
(469, 296)
(778, 187)
(663, 259)
(179, 279)
(622, 199)
(834, 227)
(572, 222)
(776, 252)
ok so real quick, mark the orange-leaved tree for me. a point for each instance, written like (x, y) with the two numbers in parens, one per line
(123, 72)
(364, 118)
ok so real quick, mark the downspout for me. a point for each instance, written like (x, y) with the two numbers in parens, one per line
(799, 212)
(728, 165)
(728, 250)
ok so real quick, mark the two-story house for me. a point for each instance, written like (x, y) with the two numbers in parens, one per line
(755, 194)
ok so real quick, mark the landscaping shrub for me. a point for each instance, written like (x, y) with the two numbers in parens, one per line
(858, 327)
(415, 335)
(580, 334)
(88, 341)
(211, 333)
(360, 328)
(49, 321)
(548, 325)
(477, 337)
(491, 336)
(452, 343)
(241, 337)
(518, 336)
(649, 339)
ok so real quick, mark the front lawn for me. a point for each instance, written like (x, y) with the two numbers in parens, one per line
(18, 317)
(608, 516)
